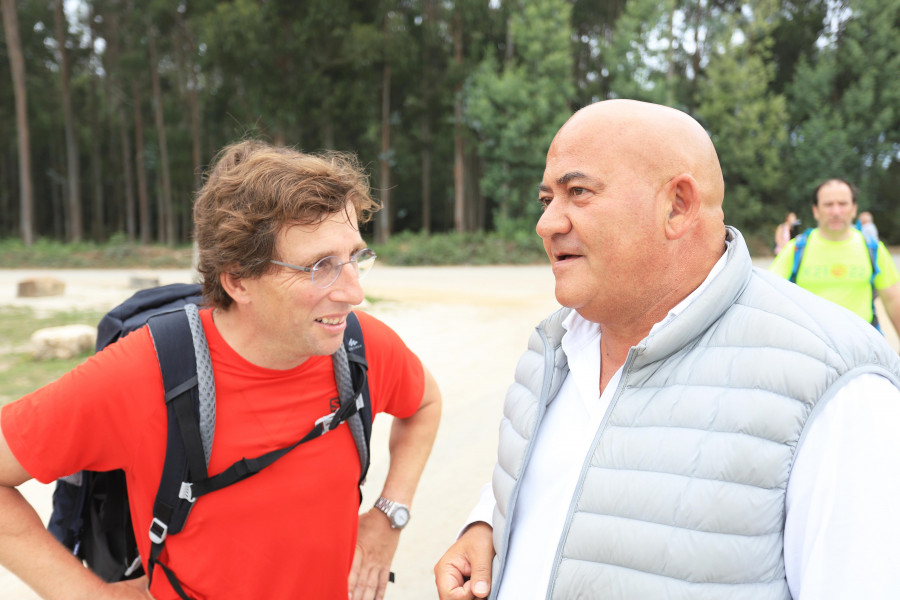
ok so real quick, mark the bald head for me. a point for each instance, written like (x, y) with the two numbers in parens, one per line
(633, 211)
(660, 141)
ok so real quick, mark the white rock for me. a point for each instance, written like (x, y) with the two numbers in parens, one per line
(66, 341)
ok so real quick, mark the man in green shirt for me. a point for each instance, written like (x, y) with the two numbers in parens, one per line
(836, 262)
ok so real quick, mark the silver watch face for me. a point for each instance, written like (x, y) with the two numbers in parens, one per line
(400, 517)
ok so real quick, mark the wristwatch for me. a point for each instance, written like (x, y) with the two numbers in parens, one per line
(397, 514)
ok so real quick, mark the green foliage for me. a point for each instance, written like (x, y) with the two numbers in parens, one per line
(116, 253)
(516, 105)
(794, 35)
(846, 123)
(792, 91)
(416, 249)
(637, 54)
(746, 120)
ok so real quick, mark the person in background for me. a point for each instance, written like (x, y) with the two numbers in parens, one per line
(281, 257)
(687, 426)
(837, 262)
(867, 225)
(785, 231)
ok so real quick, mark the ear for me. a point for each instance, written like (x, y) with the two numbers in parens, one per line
(234, 286)
(682, 203)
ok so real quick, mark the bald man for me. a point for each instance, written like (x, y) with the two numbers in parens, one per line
(687, 426)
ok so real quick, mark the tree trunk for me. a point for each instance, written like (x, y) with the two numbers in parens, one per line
(196, 148)
(73, 167)
(97, 221)
(166, 219)
(57, 191)
(459, 159)
(189, 67)
(384, 217)
(117, 100)
(17, 67)
(428, 19)
(143, 202)
(475, 209)
(426, 173)
(383, 231)
(128, 174)
(328, 132)
(6, 193)
(670, 56)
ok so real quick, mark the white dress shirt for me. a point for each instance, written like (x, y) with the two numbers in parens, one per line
(842, 531)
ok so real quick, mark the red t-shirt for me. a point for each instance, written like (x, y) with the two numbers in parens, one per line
(286, 532)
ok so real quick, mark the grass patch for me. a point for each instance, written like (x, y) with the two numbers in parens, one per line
(115, 253)
(403, 249)
(416, 249)
(19, 373)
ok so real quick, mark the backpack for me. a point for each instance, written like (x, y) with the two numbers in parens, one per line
(871, 246)
(90, 514)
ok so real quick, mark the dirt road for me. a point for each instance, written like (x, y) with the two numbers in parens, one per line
(468, 324)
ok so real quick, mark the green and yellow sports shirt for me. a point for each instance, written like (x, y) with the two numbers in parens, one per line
(839, 271)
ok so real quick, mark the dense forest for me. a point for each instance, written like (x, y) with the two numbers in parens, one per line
(110, 110)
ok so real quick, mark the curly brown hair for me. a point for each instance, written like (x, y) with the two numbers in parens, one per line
(253, 191)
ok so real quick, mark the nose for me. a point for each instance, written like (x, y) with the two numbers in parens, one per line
(554, 220)
(347, 287)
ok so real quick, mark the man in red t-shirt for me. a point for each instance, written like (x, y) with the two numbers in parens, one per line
(281, 257)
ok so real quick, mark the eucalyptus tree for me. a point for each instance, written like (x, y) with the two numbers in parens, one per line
(712, 59)
(516, 102)
(73, 160)
(133, 77)
(594, 27)
(746, 118)
(43, 213)
(17, 71)
(797, 28)
(122, 209)
(844, 102)
(639, 57)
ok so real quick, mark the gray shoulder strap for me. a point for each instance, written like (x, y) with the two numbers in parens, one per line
(345, 391)
(205, 380)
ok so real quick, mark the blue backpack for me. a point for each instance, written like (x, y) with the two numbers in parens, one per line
(871, 246)
(90, 514)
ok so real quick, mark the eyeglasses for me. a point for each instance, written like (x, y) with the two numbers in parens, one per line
(328, 269)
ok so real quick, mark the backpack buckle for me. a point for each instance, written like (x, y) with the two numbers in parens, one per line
(325, 422)
(134, 566)
(186, 492)
(158, 531)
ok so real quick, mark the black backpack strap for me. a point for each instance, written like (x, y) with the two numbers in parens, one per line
(246, 467)
(185, 457)
(350, 372)
(185, 476)
(361, 423)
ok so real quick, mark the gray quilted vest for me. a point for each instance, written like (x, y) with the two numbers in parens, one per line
(683, 494)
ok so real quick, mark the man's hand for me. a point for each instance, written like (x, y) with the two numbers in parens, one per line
(464, 572)
(376, 544)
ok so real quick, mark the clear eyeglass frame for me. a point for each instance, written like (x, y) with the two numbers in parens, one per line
(326, 270)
